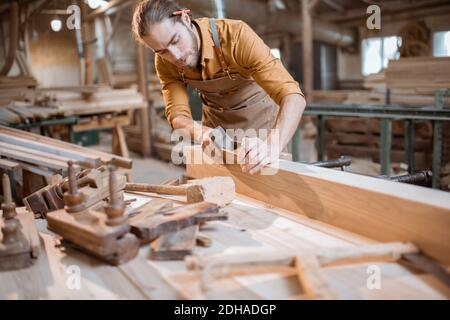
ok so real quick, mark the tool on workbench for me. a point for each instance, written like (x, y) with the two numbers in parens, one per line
(181, 241)
(91, 183)
(150, 227)
(308, 264)
(105, 235)
(218, 190)
(418, 178)
(176, 232)
(341, 162)
(19, 238)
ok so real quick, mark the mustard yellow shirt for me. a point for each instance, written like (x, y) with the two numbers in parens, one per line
(245, 53)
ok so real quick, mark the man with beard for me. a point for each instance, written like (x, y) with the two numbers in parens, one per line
(241, 84)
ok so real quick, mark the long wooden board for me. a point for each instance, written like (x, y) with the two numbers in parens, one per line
(378, 209)
(73, 148)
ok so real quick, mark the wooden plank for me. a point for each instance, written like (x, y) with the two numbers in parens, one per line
(121, 141)
(104, 157)
(145, 124)
(53, 150)
(31, 157)
(145, 275)
(378, 209)
(307, 43)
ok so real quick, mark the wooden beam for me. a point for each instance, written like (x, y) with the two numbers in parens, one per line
(33, 156)
(336, 6)
(119, 138)
(307, 45)
(89, 161)
(382, 210)
(69, 147)
(390, 8)
(102, 10)
(141, 65)
(87, 29)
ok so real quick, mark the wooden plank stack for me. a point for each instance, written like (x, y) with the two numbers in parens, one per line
(37, 161)
(17, 82)
(95, 100)
(412, 82)
(361, 138)
(22, 102)
(420, 72)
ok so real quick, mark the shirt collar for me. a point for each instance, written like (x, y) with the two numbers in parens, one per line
(207, 46)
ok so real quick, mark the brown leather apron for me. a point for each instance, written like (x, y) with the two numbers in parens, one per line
(233, 102)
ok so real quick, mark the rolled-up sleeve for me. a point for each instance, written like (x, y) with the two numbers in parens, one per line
(251, 53)
(176, 99)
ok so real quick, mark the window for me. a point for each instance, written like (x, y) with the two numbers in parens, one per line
(376, 53)
(276, 53)
(441, 44)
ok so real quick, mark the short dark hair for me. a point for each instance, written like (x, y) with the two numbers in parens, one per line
(148, 12)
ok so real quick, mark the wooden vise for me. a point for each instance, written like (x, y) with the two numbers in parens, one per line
(106, 234)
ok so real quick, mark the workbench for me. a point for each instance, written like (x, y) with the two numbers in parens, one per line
(252, 226)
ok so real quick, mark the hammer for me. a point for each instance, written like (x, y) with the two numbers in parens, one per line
(218, 190)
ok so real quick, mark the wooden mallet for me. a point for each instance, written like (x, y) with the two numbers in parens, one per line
(218, 190)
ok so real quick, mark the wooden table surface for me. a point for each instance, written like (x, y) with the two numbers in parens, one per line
(251, 227)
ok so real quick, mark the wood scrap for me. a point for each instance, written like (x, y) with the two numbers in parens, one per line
(174, 245)
(203, 240)
(150, 208)
(170, 220)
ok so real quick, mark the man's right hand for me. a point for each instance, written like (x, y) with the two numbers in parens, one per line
(206, 138)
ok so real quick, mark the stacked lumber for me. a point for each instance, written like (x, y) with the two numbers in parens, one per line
(17, 82)
(95, 99)
(420, 72)
(361, 138)
(376, 96)
(37, 161)
(375, 81)
(20, 88)
(25, 112)
(45, 103)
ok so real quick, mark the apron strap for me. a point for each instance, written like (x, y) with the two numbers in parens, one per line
(215, 35)
(218, 48)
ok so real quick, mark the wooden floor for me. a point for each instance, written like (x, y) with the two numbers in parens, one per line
(251, 227)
